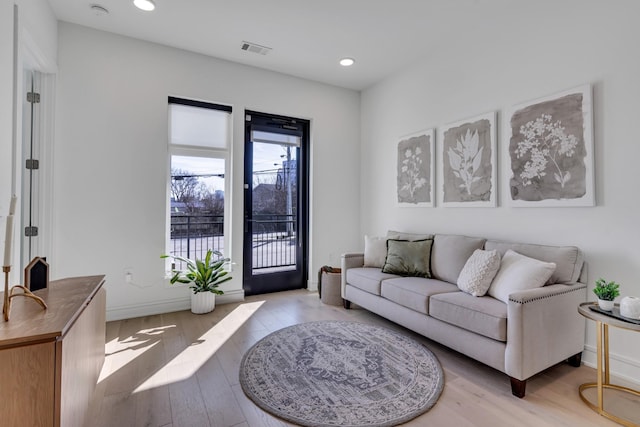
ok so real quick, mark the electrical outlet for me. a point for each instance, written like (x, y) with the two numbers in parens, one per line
(128, 275)
(139, 282)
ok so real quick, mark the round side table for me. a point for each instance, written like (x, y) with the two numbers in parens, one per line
(603, 322)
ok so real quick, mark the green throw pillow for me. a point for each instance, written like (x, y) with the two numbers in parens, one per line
(408, 258)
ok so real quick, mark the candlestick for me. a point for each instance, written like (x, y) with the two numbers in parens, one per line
(9, 294)
(6, 268)
(8, 238)
(7, 242)
(12, 205)
(5, 304)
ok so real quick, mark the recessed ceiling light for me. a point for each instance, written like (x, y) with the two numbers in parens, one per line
(347, 62)
(99, 10)
(146, 5)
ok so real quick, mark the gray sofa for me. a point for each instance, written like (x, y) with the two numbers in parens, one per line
(535, 330)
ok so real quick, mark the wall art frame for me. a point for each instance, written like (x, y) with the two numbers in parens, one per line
(467, 160)
(415, 169)
(549, 151)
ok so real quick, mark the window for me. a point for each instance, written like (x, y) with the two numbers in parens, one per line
(199, 141)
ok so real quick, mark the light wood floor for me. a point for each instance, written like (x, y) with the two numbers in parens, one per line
(180, 369)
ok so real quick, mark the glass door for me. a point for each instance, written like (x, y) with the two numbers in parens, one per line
(276, 203)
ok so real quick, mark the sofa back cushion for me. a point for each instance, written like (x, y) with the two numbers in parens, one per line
(401, 235)
(450, 253)
(568, 259)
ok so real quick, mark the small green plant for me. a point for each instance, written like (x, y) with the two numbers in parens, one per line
(202, 275)
(607, 291)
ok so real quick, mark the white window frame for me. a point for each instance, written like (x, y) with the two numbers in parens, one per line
(199, 151)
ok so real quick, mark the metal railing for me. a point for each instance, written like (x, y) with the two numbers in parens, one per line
(273, 239)
(193, 235)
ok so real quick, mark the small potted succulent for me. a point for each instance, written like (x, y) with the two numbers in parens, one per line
(606, 293)
(204, 277)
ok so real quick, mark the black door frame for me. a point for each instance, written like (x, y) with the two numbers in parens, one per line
(291, 279)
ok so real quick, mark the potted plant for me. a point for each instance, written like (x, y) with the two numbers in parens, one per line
(204, 277)
(606, 293)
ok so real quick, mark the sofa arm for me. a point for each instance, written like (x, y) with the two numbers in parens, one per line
(543, 328)
(350, 260)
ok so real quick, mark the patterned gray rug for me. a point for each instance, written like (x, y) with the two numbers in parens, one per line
(341, 374)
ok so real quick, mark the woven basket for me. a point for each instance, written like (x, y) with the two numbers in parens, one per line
(331, 283)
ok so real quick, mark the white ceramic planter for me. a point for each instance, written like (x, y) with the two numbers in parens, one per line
(203, 302)
(605, 305)
(630, 307)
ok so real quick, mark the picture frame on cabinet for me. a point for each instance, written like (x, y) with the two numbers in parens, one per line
(36, 274)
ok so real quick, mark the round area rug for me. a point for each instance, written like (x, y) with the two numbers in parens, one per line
(341, 374)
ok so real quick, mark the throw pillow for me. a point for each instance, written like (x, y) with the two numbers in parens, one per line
(517, 273)
(375, 251)
(408, 258)
(478, 272)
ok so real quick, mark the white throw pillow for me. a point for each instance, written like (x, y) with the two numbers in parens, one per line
(478, 272)
(375, 251)
(517, 273)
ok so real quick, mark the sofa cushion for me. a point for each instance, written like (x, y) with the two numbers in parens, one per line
(408, 258)
(414, 292)
(568, 259)
(478, 272)
(518, 273)
(483, 315)
(375, 251)
(450, 253)
(400, 235)
(367, 279)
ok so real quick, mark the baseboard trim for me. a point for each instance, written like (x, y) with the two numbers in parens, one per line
(620, 366)
(231, 296)
(167, 306)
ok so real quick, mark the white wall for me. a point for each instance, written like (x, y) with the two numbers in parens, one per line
(495, 66)
(111, 159)
(6, 108)
(37, 49)
(38, 34)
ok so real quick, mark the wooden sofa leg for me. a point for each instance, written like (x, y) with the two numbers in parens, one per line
(575, 360)
(346, 304)
(518, 387)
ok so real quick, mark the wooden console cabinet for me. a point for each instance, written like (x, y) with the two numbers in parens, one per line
(50, 359)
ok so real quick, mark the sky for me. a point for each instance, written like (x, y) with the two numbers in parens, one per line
(266, 157)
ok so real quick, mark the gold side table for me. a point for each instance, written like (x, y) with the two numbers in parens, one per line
(603, 322)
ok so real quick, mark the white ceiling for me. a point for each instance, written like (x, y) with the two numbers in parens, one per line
(308, 37)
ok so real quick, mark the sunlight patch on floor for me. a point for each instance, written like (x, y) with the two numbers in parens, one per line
(191, 359)
(137, 344)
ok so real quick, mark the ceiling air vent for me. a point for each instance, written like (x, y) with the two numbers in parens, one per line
(255, 48)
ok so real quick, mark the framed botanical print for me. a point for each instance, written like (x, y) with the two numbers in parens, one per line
(549, 151)
(415, 166)
(467, 160)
